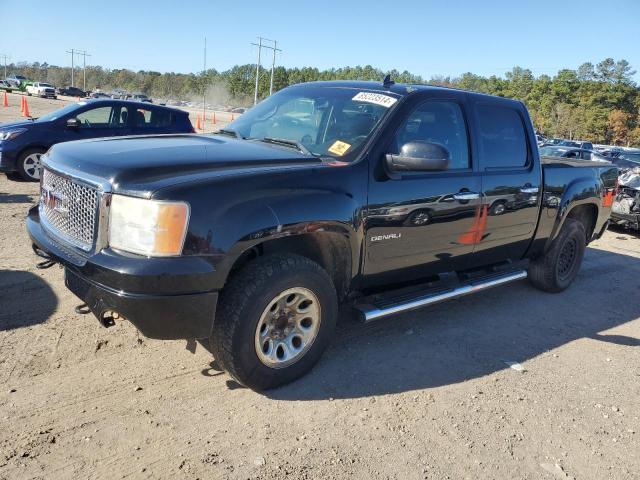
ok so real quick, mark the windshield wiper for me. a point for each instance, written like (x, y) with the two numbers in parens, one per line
(287, 143)
(231, 133)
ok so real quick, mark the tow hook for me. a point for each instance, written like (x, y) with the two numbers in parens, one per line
(48, 261)
(108, 318)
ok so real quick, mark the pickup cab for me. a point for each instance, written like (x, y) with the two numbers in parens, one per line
(375, 196)
(41, 89)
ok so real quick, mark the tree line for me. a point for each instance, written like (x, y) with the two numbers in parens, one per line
(598, 102)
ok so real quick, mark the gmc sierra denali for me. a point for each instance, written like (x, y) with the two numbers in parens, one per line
(381, 196)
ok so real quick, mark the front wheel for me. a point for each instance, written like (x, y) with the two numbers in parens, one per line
(275, 319)
(556, 269)
(29, 166)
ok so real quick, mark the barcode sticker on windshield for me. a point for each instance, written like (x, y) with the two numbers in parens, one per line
(377, 98)
(339, 148)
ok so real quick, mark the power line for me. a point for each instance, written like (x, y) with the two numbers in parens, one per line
(275, 49)
(5, 63)
(74, 52)
(84, 69)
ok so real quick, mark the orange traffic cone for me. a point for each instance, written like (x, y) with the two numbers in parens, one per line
(21, 104)
(198, 127)
(474, 235)
(5, 103)
(213, 118)
(26, 109)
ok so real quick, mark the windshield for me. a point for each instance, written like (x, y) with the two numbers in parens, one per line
(323, 120)
(58, 113)
(46, 85)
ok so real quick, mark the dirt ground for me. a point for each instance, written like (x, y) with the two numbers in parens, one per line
(425, 395)
(40, 106)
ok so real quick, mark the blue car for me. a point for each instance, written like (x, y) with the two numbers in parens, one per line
(23, 143)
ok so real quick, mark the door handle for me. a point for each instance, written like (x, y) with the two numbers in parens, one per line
(466, 196)
(529, 189)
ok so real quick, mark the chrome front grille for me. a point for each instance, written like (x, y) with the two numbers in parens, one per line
(69, 209)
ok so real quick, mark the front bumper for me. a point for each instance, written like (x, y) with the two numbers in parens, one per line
(154, 299)
(7, 160)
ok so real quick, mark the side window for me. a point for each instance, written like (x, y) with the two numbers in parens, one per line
(103, 117)
(586, 155)
(441, 122)
(152, 118)
(503, 142)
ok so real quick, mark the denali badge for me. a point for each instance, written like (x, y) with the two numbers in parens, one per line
(54, 201)
(388, 236)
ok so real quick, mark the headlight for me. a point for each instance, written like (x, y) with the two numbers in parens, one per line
(11, 134)
(148, 227)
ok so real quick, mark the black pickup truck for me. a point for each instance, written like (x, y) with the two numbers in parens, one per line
(381, 196)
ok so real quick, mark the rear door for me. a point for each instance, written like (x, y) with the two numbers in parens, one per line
(421, 223)
(151, 120)
(511, 180)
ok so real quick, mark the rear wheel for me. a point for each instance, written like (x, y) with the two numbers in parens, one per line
(29, 165)
(555, 271)
(274, 320)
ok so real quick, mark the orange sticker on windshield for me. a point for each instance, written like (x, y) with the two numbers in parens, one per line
(339, 148)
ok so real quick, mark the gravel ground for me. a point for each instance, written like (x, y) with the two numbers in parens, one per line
(423, 395)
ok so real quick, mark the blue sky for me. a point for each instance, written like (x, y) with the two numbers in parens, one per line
(425, 37)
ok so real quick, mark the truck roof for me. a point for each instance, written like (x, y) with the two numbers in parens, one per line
(402, 89)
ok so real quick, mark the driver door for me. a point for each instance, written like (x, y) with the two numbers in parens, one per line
(100, 121)
(422, 223)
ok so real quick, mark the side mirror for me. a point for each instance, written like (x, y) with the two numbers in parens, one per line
(419, 156)
(73, 123)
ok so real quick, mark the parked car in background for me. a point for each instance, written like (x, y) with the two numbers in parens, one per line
(16, 80)
(118, 94)
(23, 143)
(625, 210)
(571, 152)
(626, 160)
(576, 144)
(6, 86)
(41, 89)
(98, 95)
(72, 92)
(139, 97)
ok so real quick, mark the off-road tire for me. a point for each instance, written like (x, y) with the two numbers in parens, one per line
(21, 159)
(554, 271)
(245, 298)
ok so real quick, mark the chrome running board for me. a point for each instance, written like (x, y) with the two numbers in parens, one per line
(384, 308)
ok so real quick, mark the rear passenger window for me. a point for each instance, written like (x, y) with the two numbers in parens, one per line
(153, 118)
(437, 121)
(503, 143)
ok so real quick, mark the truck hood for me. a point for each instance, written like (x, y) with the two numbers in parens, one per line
(140, 165)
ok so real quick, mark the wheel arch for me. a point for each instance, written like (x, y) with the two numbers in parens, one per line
(332, 250)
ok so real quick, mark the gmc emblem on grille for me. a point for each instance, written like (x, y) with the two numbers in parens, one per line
(55, 201)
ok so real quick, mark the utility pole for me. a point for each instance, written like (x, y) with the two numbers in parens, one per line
(84, 69)
(72, 52)
(5, 63)
(275, 49)
(273, 66)
(255, 96)
(204, 84)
